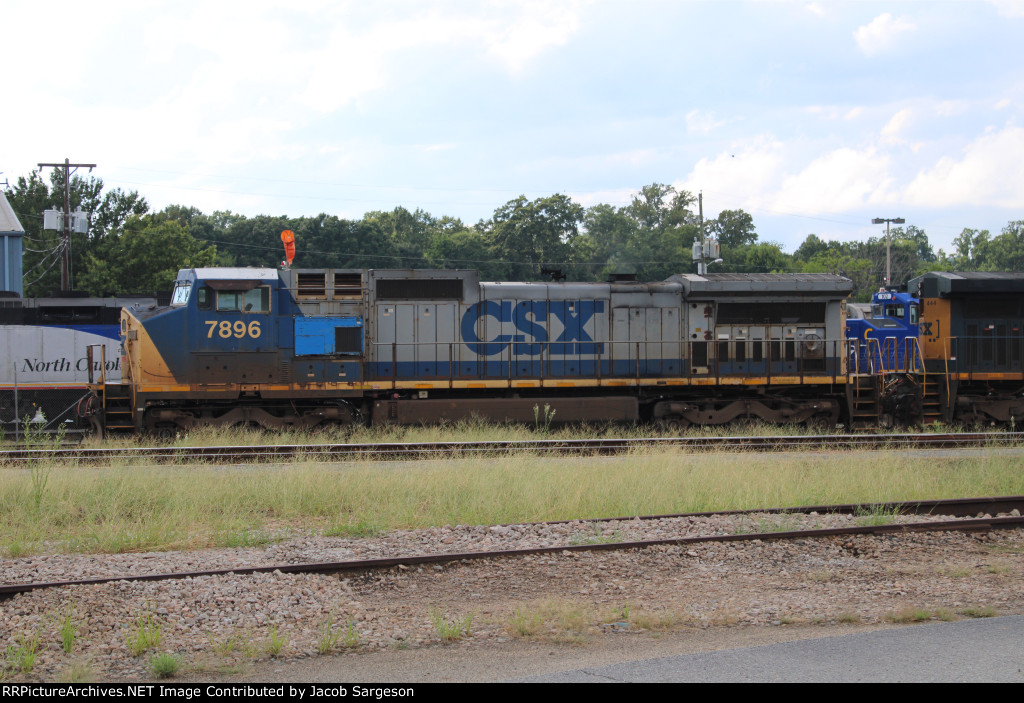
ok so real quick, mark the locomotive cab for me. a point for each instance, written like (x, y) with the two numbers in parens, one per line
(886, 336)
(239, 345)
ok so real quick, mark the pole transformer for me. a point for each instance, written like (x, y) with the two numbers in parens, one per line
(65, 239)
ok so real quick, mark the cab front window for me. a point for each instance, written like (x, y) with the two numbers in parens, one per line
(181, 292)
(894, 311)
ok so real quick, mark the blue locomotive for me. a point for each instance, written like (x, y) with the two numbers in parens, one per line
(286, 348)
(887, 333)
(306, 347)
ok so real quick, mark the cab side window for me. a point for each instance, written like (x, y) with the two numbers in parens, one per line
(253, 300)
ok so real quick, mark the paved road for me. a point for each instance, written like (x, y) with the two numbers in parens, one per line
(989, 650)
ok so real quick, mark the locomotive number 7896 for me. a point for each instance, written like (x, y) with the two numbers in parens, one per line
(238, 329)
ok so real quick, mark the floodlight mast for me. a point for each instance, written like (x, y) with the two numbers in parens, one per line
(888, 254)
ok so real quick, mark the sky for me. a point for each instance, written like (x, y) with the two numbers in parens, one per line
(815, 117)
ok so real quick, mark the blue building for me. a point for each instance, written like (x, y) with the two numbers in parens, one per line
(11, 233)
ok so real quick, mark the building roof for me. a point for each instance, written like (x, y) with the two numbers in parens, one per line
(9, 223)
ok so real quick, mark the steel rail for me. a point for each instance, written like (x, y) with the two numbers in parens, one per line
(420, 450)
(966, 506)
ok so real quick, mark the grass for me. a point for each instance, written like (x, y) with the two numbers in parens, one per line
(275, 642)
(451, 629)
(328, 637)
(569, 622)
(67, 628)
(144, 635)
(133, 507)
(554, 620)
(21, 656)
(986, 611)
(954, 571)
(909, 615)
(78, 672)
(165, 665)
(595, 536)
(875, 515)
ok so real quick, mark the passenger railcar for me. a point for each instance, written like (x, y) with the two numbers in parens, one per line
(301, 347)
(45, 371)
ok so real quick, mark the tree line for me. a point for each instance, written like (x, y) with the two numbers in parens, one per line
(130, 249)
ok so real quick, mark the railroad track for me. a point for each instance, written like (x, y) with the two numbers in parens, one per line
(420, 450)
(1002, 507)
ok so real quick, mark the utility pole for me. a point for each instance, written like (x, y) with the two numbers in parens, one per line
(705, 251)
(65, 240)
(888, 254)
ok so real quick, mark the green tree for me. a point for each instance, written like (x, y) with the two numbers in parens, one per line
(144, 258)
(1005, 252)
(766, 257)
(108, 212)
(811, 247)
(733, 228)
(525, 235)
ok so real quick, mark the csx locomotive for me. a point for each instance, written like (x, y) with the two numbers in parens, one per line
(300, 348)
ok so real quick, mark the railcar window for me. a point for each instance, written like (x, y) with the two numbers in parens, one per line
(895, 311)
(203, 298)
(913, 314)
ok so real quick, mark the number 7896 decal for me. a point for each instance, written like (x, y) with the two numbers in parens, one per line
(237, 329)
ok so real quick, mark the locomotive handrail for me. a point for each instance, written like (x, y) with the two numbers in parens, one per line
(626, 359)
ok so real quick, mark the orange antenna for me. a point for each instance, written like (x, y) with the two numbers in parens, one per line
(288, 237)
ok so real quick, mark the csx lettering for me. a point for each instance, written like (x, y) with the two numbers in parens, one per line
(531, 318)
(226, 329)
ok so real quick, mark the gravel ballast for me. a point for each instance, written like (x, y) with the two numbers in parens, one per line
(223, 625)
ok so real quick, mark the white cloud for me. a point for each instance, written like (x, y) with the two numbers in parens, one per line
(702, 122)
(882, 33)
(891, 131)
(541, 26)
(769, 175)
(843, 179)
(815, 9)
(988, 174)
(745, 175)
(1009, 8)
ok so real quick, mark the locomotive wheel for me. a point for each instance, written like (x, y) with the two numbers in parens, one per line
(166, 431)
(97, 427)
(675, 425)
